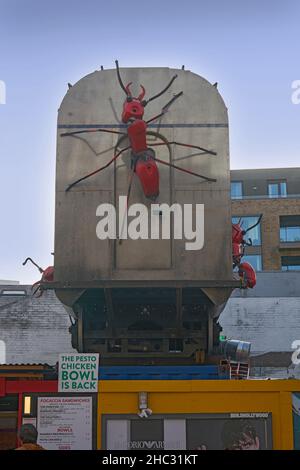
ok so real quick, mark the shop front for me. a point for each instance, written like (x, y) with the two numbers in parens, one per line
(199, 415)
(154, 414)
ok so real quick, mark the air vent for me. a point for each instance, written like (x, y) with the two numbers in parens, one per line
(13, 293)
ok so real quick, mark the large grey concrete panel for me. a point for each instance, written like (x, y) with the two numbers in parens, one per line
(198, 117)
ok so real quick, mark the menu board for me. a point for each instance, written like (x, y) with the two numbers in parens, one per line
(65, 423)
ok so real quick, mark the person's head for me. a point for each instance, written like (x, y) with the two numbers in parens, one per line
(239, 434)
(28, 434)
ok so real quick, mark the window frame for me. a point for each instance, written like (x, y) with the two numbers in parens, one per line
(286, 223)
(278, 183)
(242, 190)
(258, 227)
(290, 265)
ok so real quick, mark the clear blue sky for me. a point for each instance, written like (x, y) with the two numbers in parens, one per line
(250, 48)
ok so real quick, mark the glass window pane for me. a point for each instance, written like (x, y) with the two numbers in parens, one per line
(283, 235)
(295, 267)
(289, 234)
(293, 234)
(236, 190)
(277, 189)
(247, 222)
(254, 260)
(273, 189)
(290, 263)
(283, 188)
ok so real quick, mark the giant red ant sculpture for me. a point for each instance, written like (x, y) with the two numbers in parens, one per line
(143, 159)
(246, 271)
(47, 276)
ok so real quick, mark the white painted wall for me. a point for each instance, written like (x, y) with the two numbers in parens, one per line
(33, 330)
(270, 324)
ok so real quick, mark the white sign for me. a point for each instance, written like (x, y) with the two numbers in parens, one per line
(29, 421)
(65, 423)
(78, 373)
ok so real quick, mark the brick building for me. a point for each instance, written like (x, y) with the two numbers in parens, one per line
(269, 315)
(274, 193)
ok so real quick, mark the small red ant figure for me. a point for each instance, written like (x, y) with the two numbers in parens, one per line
(246, 271)
(143, 159)
(47, 276)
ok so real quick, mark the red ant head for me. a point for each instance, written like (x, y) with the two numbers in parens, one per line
(237, 233)
(133, 108)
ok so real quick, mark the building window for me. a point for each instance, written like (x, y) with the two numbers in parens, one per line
(236, 190)
(277, 189)
(290, 228)
(290, 263)
(247, 222)
(254, 260)
(13, 293)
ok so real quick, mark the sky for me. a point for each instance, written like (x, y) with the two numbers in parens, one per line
(250, 48)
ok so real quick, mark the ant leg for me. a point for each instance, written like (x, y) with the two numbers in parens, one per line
(130, 184)
(37, 288)
(97, 171)
(35, 284)
(187, 145)
(40, 293)
(165, 108)
(30, 259)
(119, 78)
(127, 200)
(145, 102)
(185, 171)
(65, 134)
